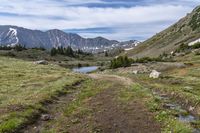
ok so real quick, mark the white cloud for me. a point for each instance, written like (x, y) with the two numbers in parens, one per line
(42, 14)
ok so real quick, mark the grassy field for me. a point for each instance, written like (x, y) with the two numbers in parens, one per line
(25, 87)
(28, 90)
(62, 60)
(180, 85)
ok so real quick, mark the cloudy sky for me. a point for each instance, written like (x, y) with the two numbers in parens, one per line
(114, 19)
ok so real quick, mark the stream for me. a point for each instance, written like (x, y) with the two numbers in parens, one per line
(185, 118)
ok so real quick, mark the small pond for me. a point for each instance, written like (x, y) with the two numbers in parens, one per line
(85, 69)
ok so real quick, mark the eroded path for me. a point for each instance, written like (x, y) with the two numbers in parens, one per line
(101, 104)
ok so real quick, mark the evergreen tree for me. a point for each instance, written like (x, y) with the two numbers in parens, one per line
(19, 47)
(106, 54)
(69, 52)
(60, 50)
(53, 51)
(80, 51)
(121, 61)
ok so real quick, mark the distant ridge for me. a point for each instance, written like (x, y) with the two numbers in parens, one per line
(13, 35)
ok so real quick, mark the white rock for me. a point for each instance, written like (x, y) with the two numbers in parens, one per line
(135, 72)
(42, 62)
(191, 108)
(154, 74)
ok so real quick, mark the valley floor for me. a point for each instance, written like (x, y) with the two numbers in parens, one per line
(100, 104)
(51, 99)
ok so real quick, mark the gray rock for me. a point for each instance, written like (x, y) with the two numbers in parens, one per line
(45, 117)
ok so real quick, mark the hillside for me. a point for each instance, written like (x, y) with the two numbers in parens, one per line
(184, 31)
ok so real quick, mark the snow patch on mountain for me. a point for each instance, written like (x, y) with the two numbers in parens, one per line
(127, 49)
(13, 34)
(194, 42)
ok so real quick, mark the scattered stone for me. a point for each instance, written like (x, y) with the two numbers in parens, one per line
(191, 108)
(41, 62)
(180, 54)
(172, 93)
(135, 72)
(170, 106)
(75, 121)
(154, 74)
(45, 117)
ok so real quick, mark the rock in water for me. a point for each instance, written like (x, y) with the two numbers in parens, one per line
(154, 74)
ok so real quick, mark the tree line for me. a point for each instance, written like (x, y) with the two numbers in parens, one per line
(124, 61)
(54, 51)
(16, 47)
(121, 61)
(67, 51)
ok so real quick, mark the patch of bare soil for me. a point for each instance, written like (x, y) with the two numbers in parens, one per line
(113, 78)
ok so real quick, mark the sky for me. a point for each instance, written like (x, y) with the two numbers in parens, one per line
(114, 19)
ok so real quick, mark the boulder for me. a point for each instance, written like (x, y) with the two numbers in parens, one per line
(154, 74)
(41, 62)
(135, 72)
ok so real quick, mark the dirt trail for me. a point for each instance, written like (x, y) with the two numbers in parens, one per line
(111, 116)
(113, 78)
(107, 113)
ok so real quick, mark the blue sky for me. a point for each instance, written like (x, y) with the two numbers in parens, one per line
(113, 19)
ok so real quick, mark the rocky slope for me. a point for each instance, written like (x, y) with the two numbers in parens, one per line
(13, 35)
(185, 31)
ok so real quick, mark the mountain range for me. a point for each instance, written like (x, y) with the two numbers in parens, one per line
(13, 35)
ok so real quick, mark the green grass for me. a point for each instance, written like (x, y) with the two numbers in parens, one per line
(171, 124)
(90, 88)
(184, 83)
(25, 87)
(62, 60)
(136, 91)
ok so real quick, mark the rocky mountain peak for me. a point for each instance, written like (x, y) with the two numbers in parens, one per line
(13, 35)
